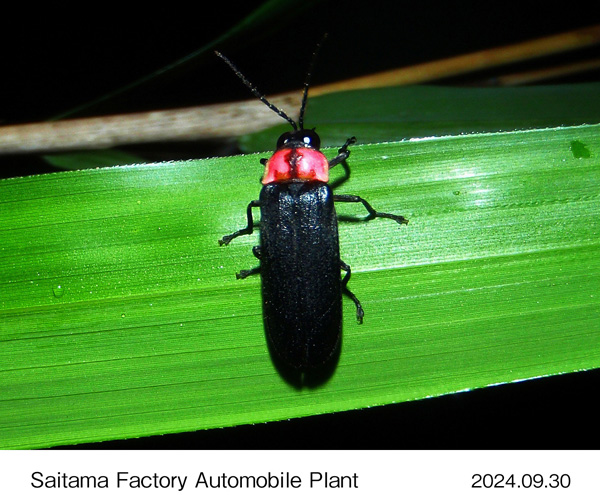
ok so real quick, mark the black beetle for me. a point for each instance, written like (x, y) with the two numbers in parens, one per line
(299, 248)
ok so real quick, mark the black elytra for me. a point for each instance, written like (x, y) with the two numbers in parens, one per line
(300, 264)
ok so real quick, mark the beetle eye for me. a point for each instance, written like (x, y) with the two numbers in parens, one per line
(283, 139)
(311, 138)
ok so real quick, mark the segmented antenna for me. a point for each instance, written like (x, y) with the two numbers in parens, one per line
(258, 94)
(307, 81)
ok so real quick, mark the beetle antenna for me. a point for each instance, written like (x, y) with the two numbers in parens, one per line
(307, 81)
(256, 92)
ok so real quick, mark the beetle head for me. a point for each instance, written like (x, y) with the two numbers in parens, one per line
(301, 138)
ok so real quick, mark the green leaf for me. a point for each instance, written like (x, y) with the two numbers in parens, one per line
(79, 160)
(120, 316)
(393, 114)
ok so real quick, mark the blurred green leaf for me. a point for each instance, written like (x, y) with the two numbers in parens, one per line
(79, 160)
(120, 316)
(393, 114)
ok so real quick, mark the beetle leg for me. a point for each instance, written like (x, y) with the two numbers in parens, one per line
(347, 198)
(359, 310)
(252, 271)
(343, 153)
(246, 273)
(246, 230)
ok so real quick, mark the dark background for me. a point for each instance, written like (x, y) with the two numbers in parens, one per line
(60, 60)
(56, 61)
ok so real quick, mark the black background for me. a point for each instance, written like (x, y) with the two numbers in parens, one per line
(55, 61)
